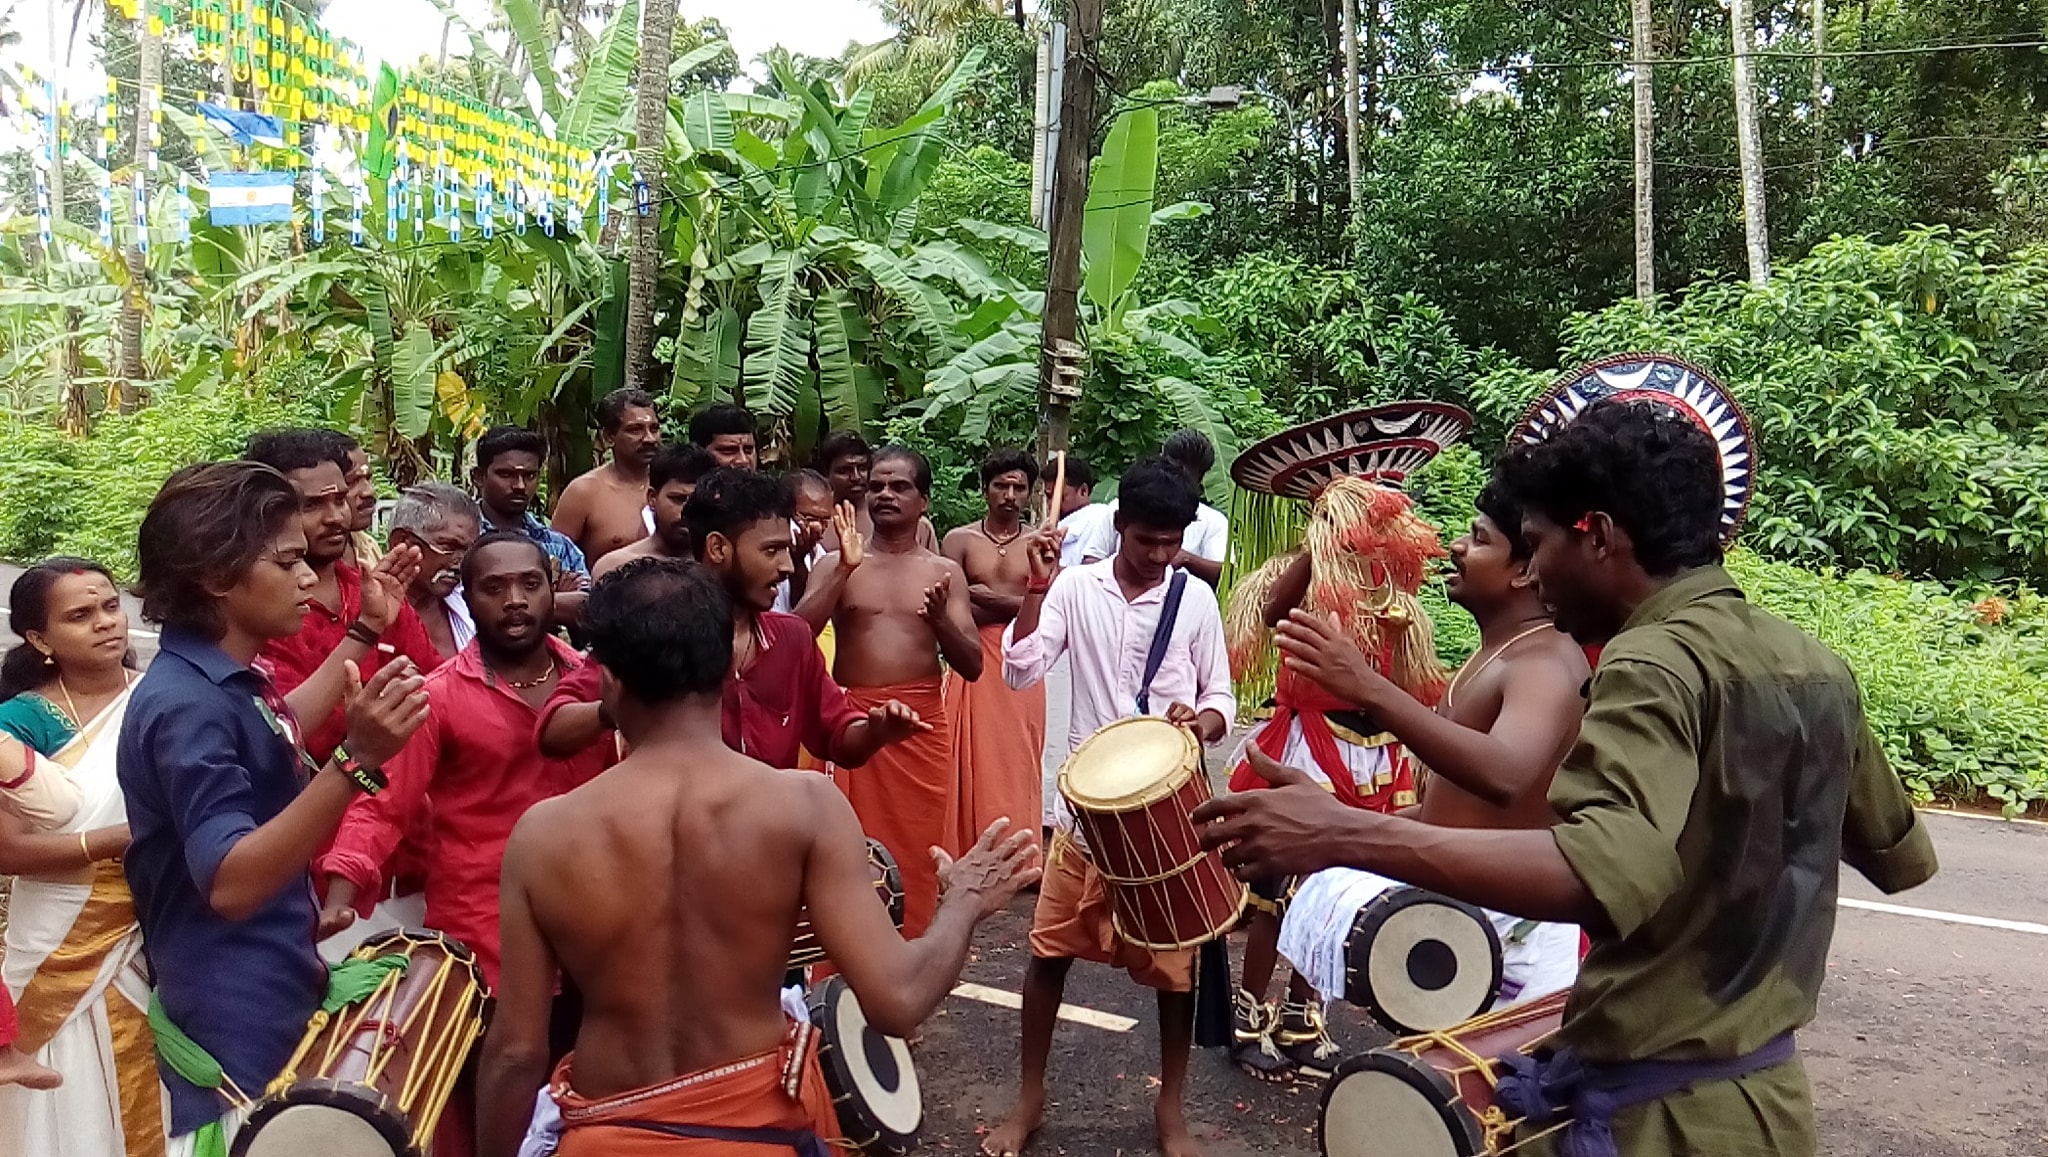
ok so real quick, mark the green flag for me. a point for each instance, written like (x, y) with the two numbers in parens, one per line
(383, 124)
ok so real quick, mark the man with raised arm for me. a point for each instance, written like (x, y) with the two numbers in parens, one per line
(898, 609)
(667, 890)
(1723, 771)
(605, 507)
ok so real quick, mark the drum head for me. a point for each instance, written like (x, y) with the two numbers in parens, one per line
(1419, 961)
(873, 1081)
(1128, 764)
(325, 1118)
(1386, 1103)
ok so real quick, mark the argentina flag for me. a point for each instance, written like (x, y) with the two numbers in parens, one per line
(251, 198)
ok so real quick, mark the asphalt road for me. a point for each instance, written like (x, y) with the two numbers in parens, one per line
(1931, 1040)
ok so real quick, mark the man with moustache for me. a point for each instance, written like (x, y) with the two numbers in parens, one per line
(671, 479)
(729, 432)
(845, 458)
(898, 609)
(506, 477)
(779, 696)
(442, 523)
(363, 550)
(605, 508)
(1723, 771)
(998, 734)
(1506, 721)
(349, 612)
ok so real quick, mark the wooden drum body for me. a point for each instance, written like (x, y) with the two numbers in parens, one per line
(804, 948)
(1432, 1095)
(371, 1079)
(1133, 785)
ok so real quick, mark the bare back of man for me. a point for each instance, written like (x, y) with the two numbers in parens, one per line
(1531, 674)
(648, 547)
(603, 509)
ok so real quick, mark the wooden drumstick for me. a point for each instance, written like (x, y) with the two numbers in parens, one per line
(1059, 490)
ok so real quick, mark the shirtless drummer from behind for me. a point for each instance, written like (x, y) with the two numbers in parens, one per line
(667, 890)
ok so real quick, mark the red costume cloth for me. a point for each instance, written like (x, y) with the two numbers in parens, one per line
(10, 1026)
(291, 661)
(474, 759)
(1299, 698)
(743, 1096)
(904, 793)
(785, 699)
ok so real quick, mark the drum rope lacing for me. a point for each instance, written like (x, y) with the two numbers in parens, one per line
(1492, 1120)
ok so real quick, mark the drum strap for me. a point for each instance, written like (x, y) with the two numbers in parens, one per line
(1162, 635)
(804, 1141)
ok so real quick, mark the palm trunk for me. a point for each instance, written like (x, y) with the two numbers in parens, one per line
(1749, 148)
(1350, 26)
(650, 121)
(135, 301)
(1645, 128)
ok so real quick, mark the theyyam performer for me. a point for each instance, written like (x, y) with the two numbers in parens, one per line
(1724, 768)
(1361, 564)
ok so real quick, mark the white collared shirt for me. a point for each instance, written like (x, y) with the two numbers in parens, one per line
(1107, 639)
(1091, 535)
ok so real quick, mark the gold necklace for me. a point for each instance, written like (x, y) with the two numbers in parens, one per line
(530, 684)
(71, 708)
(1002, 545)
(1451, 692)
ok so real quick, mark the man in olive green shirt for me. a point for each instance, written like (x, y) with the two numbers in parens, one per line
(1723, 770)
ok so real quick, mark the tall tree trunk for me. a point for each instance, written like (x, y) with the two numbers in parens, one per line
(1643, 46)
(1750, 149)
(650, 126)
(135, 302)
(1350, 24)
(1369, 81)
(1820, 93)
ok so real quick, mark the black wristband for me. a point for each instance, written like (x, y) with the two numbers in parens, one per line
(368, 780)
(361, 633)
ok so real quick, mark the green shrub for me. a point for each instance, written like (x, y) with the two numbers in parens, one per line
(86, 496)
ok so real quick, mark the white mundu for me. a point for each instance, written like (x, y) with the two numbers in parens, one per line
(1536, 958)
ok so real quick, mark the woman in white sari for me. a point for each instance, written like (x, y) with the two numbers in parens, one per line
(73, 955)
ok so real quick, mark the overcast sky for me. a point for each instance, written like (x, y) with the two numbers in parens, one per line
(400, 31)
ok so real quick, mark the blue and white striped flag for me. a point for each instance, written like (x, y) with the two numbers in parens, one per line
(251, 198)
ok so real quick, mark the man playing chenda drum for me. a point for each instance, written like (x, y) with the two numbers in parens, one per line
(1104, 616)
(1508, 717)
(667, 890)
(1723, 770)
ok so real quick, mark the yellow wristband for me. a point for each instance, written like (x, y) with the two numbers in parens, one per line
(87, 849)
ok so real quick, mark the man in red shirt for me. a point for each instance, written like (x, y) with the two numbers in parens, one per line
(473, 759)
(780, 696)
(350, 614)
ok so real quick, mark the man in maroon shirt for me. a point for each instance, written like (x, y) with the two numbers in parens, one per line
(780, 696)
(350, 614)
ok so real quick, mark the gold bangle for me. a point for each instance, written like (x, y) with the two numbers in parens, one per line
(87, 849)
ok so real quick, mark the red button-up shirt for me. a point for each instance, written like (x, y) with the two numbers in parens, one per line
(783, 701)
(474, 759)
(293, 660)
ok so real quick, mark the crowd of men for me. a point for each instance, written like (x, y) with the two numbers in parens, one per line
(566, 743)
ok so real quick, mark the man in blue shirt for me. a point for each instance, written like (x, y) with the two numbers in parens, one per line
(226, 812)
(507, 474)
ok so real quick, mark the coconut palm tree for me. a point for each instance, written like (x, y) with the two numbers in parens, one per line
(650, 128)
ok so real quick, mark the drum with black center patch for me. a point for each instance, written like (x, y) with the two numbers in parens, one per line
(1418, 961)
(805, 948)
(1433, 1095)
(873, 1082)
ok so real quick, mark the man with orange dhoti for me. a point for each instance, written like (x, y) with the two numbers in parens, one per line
(897, 608)
(998, 734)
(1362, 561)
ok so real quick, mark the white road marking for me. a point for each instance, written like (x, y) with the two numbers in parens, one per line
(1947, 917)
(1072, 1012)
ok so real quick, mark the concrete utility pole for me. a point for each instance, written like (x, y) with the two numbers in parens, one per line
(1059, 347)
(1350, 26)
(1643, 46)
(1820, 92)
(1749, 148)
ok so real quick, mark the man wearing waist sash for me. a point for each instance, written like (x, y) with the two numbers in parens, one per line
(1111, 618)
(667, 889)
(1723, 770)
(1505, 721)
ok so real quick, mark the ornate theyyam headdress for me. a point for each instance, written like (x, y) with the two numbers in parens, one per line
(1667, 381)
(1382, 444)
